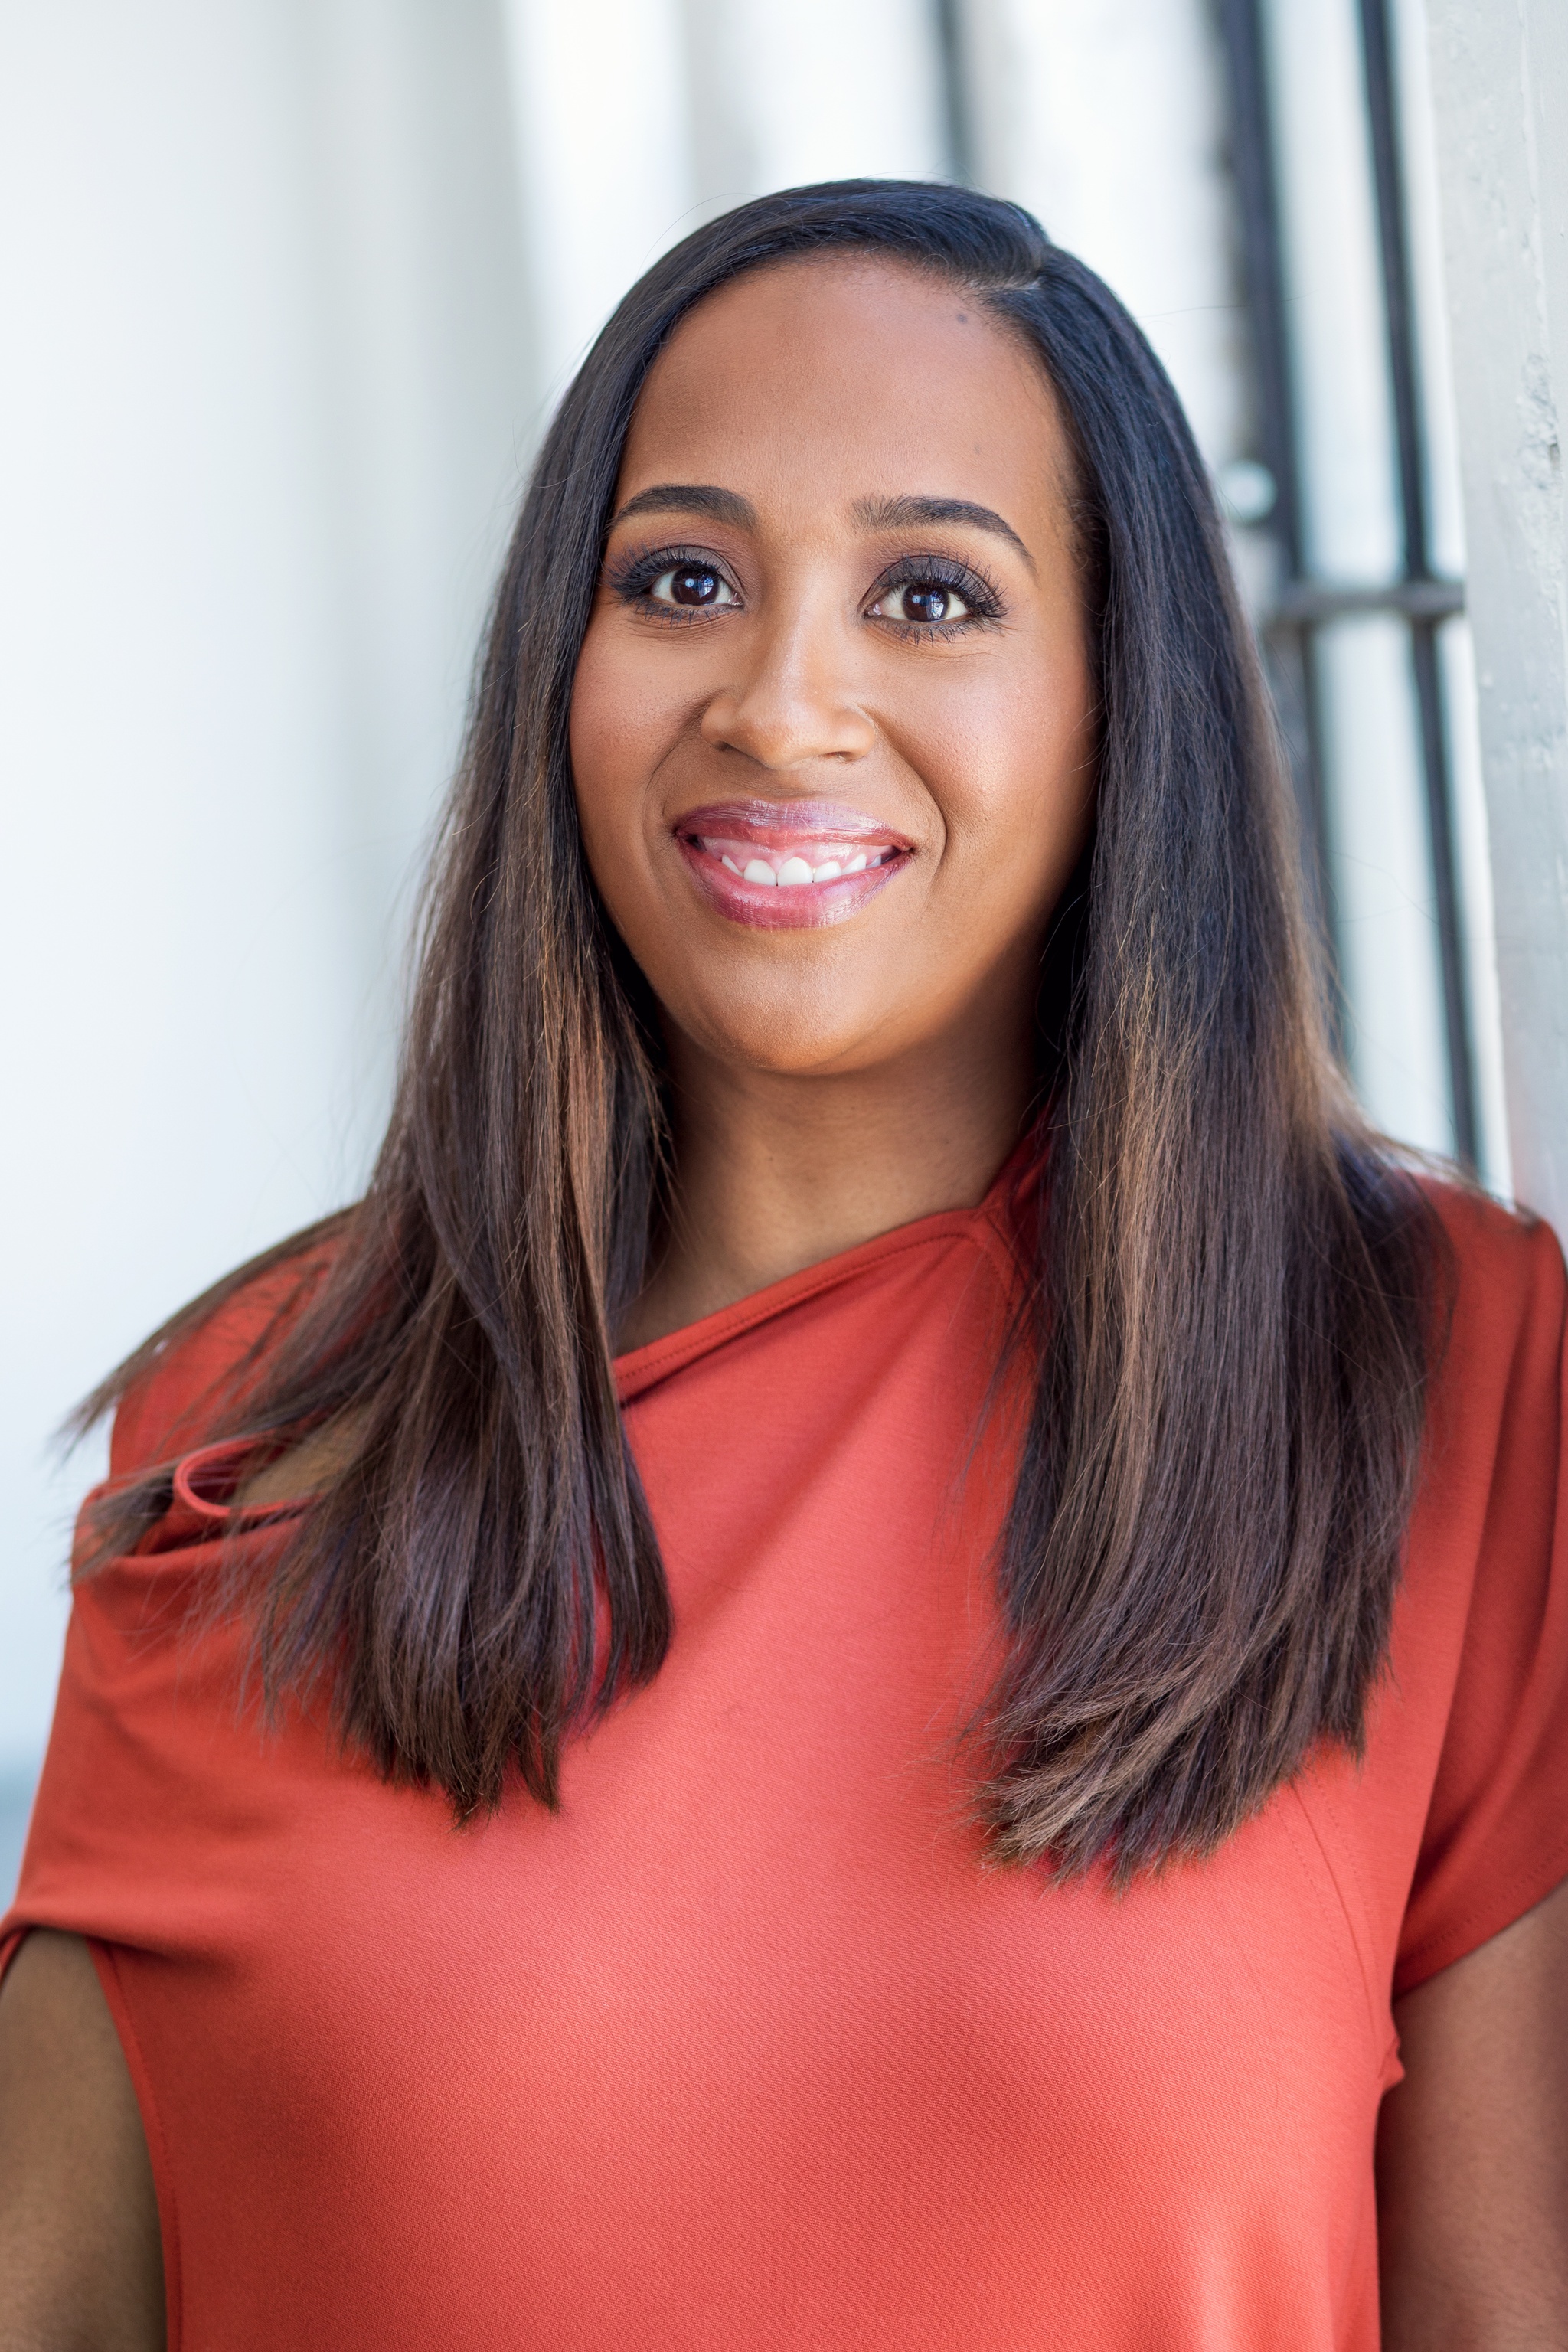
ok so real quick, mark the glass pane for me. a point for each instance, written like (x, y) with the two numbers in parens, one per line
(1383, 909)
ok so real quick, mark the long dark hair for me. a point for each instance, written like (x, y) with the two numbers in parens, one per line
(1233, 1306)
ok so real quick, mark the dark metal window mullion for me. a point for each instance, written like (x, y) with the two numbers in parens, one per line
(1393, 238)
(1292, 624)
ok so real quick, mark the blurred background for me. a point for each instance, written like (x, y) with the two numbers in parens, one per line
(289, 287)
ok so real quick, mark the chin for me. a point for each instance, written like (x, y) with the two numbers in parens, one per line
(778, 1043)
(805, 1057)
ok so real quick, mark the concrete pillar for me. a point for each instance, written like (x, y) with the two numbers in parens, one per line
(1500, 82)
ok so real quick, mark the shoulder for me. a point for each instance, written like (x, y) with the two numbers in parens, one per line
(1475, 1729)
(1507, 1289)
(1494, 1422)
(211, 1360)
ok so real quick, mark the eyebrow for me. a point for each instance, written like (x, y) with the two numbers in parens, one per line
(902, 514)
(692, 497)
(871, 514)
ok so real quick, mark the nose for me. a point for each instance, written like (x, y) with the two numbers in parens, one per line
(793, 702)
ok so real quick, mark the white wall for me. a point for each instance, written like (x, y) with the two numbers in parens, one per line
(259, 424)
(1500, 79)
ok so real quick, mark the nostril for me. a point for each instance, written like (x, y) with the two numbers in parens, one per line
(780, 732)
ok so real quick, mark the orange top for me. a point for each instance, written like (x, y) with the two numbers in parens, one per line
(744, 2048)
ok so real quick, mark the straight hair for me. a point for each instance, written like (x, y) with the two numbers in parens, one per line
(1232, 1314)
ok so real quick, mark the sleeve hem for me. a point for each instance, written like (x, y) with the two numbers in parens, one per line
(11, 1943)
(1546, 1872)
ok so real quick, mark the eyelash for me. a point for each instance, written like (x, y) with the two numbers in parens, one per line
(983, 596)
(633, 576)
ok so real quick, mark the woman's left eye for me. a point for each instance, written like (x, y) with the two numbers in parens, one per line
(924, 604)
(690, 587)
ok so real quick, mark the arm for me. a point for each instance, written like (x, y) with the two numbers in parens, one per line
(1472, 2157)
(81, 2265)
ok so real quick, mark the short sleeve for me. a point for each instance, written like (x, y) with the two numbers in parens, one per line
(120, 1790)
(1496, 1837)
(124, 1814)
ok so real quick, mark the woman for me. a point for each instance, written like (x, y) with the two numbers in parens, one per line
(863, 1659)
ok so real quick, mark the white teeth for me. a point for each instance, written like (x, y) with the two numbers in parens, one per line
(815, 863)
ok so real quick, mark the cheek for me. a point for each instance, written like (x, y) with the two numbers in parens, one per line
(1011, 768)
(620, 728)
(602, 734)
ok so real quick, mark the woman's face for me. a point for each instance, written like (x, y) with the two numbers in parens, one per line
(831, 727)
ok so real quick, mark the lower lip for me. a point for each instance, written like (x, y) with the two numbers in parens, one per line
(786, 906)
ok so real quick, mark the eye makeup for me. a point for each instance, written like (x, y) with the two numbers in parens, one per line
(634, 577)
(930, 580)
(931, 584)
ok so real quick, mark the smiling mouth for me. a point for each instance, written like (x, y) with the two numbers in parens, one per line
(789, 864)
(788, 869)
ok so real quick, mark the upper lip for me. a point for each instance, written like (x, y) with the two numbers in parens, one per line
(774, 824)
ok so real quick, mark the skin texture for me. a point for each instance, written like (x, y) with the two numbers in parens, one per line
(1472, 2157)
(832, 1082)
(81, 2269)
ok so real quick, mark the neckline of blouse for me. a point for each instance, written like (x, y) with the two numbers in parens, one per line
(206, 1480)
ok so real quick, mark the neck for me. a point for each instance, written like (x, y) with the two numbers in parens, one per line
(776, 1171)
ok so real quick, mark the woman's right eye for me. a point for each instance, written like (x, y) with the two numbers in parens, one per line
(693, 587)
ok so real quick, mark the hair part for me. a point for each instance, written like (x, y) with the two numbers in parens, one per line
(1233, 1307)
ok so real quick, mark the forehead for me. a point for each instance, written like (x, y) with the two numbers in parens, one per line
(834, 379)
